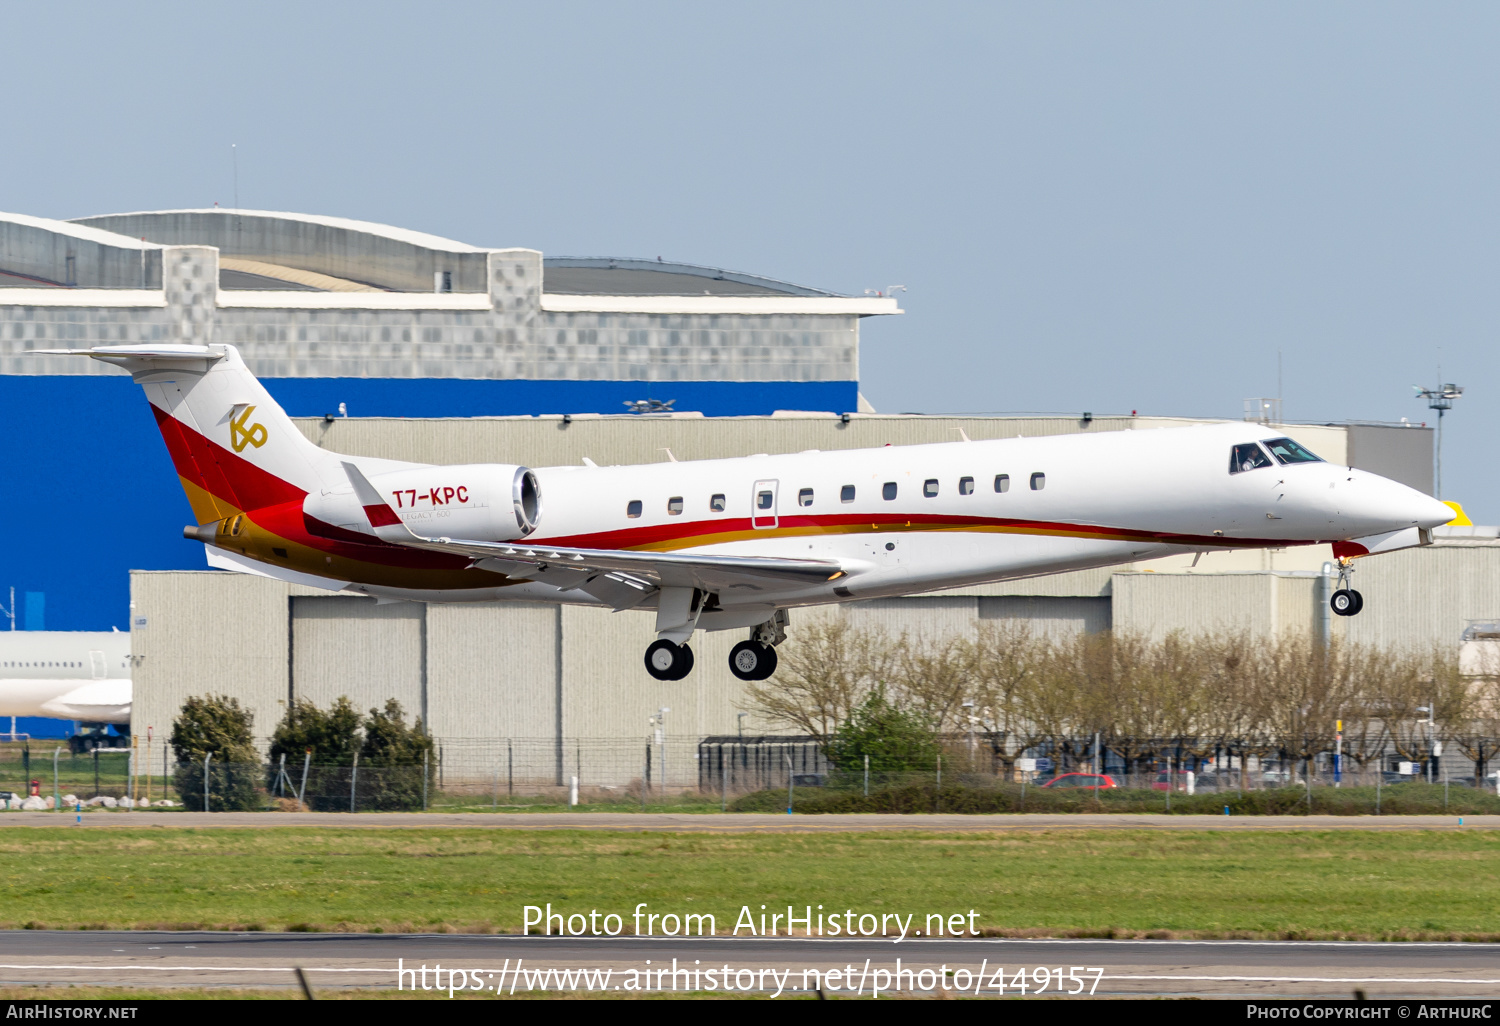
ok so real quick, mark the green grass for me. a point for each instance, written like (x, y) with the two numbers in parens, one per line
(1344, 884)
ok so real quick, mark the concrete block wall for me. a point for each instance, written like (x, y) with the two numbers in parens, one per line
(435, 343)
(190, 284)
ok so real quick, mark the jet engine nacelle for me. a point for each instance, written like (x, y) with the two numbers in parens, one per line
(479, 501)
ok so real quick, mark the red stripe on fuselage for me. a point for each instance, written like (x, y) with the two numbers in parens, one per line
(838, 523)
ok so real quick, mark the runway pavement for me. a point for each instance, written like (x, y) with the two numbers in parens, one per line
(792, 967)
(743, 822)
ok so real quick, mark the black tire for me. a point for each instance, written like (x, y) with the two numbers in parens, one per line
(1359, 603)
(752, 660)
(687, 662)
(1344, 602)
(666, 660)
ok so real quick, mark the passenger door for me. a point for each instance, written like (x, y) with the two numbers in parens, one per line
(763, 505)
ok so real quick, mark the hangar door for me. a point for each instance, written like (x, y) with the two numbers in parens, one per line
(354, 647)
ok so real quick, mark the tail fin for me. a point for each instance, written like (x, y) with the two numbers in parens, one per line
(234, 447)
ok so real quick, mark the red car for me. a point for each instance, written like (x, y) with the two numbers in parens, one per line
(1089, 781)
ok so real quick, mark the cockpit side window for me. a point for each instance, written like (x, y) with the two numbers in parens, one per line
(1248, 456)
(1287, 451)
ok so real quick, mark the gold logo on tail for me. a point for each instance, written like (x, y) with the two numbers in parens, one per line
(241, 436)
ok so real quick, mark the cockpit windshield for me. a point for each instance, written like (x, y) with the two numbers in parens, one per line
(1287, 451)
(1248, 456)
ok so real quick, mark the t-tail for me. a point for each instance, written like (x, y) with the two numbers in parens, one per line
(233, 446)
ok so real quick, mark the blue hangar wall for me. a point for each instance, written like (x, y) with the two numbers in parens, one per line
(92, 494)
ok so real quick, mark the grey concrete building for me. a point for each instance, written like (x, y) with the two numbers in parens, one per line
(326, 297)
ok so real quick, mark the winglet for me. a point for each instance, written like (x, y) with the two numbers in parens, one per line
(383, 520)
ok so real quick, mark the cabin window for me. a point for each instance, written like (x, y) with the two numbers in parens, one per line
(846, 494)
(1248, 456)
(765, 500)
(1287, 451)
(1038, 482)
(674, 506)
(633, 508)
(804, 497)
(1002, 482)
(888, 491)
(716, 504)
(930, 488)
(966, 486)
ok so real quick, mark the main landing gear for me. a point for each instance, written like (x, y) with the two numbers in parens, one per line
(752, 659)
(667, 660)
(1345, 601)
(755, 658)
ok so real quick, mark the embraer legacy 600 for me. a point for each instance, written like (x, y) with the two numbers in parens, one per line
(735, 543)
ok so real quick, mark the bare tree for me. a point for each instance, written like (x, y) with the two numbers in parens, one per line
(933, 677)
(822, 675)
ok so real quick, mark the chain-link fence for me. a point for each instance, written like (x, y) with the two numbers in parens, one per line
(717, 771)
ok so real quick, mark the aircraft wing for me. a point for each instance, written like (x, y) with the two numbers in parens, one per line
(619, 577)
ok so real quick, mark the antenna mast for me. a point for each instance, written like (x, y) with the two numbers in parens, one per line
(1440, 399)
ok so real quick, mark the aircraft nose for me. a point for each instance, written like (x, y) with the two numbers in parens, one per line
(1429, 512)
(1390, 506)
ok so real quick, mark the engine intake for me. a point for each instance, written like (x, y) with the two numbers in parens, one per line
(482, 501)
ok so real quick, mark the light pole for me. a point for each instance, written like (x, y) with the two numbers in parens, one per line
(1338, 752)
(1441, 400)
(661, 743)
(1431, 733)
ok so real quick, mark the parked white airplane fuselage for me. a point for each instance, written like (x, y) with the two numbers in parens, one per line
(70, 675)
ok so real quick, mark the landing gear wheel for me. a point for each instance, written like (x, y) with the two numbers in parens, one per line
(666, 660)
(1346, 602)
(752, 660)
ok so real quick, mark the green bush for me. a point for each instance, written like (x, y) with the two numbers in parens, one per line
(217, 725)
(332, 738)
(391, 760)
(894, 738)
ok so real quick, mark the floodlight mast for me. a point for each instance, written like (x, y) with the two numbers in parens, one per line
(1441, 400)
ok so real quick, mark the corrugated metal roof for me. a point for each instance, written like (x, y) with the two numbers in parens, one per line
(618, 276)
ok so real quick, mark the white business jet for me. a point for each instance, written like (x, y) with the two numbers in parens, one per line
(735, 543)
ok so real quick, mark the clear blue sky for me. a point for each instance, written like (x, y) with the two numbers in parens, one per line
(1096, 207)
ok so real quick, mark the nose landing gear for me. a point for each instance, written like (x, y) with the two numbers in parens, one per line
(1345, 601)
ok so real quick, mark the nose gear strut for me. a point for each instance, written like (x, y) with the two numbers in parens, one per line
(1345, 601)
